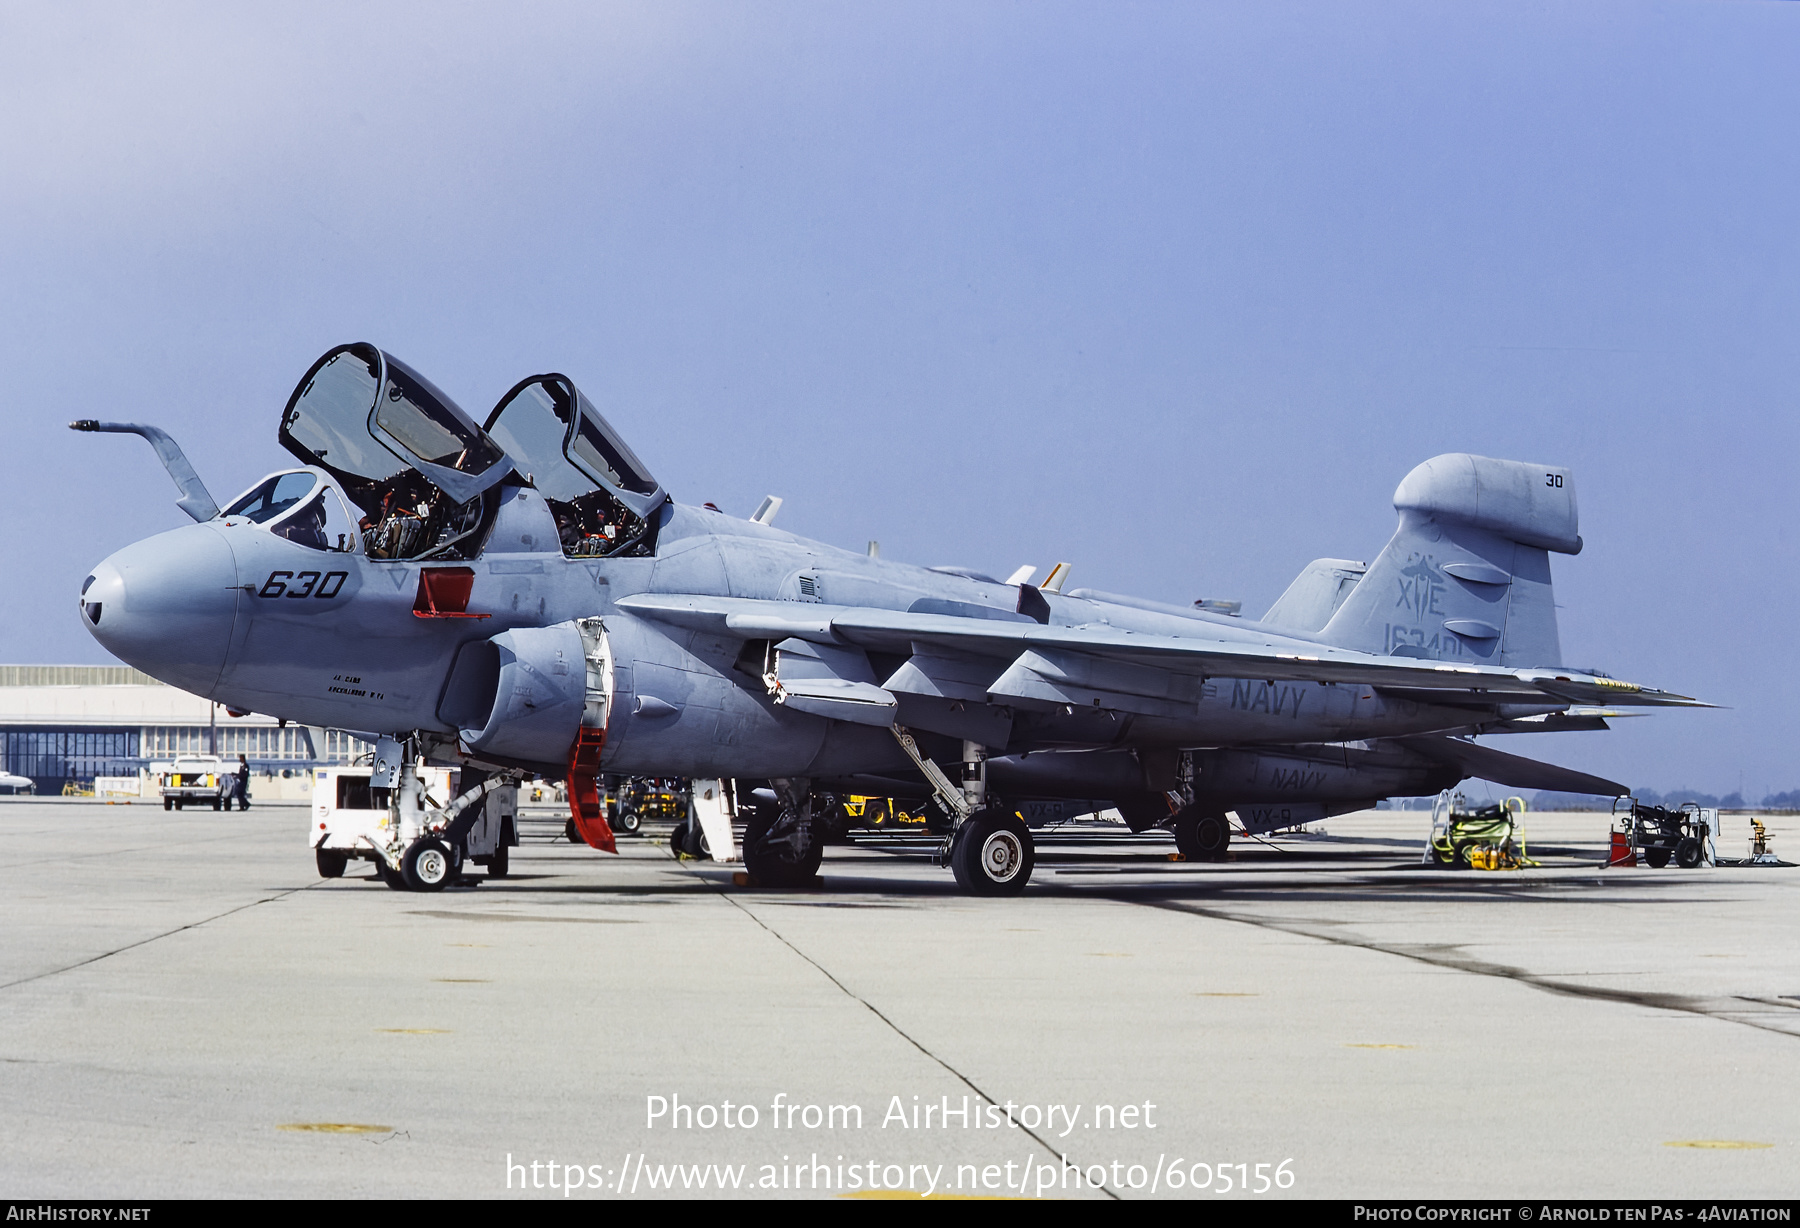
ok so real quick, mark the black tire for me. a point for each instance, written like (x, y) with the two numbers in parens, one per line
(1688, 853)
(217, 804)
(168, 803)
(1656, 856)
(1202, 836)
(428, 864)
(390, 877)
(499, 862)
(331, 862)
(570, 834)
(993, 855)
(688, 839)
(628, 821)
(178, 803)
(1441, 858)
(775, 857)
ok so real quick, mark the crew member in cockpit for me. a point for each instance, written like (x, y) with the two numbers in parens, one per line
(306, 527)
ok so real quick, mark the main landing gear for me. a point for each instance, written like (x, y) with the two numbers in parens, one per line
(991, 853)
(782, 845)
(990, 850)
(1201, 835)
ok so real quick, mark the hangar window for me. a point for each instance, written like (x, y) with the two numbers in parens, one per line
(604, 501)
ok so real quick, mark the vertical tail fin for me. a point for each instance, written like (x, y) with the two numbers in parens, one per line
(1467, 574)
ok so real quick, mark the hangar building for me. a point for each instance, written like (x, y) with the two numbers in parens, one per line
(65, 726)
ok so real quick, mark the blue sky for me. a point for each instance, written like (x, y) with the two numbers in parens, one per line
(1177, 293)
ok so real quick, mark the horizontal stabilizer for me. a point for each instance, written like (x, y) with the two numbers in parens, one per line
(1514, 771)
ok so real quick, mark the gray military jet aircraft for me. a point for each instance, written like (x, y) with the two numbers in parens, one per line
(523, 596)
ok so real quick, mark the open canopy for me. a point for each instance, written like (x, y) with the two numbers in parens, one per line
(366, 417)
(558, 439)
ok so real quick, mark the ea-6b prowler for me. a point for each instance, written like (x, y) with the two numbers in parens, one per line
(523, 596)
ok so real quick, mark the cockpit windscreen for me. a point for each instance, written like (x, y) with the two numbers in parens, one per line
(272, 496)
(300, 506)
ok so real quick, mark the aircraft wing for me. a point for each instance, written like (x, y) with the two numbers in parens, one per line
(1074, 664)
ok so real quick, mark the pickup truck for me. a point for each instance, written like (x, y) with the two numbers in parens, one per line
(198, 779)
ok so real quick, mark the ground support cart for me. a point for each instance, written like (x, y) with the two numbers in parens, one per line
(1659, 835)
(419, 840)
(1467, 837)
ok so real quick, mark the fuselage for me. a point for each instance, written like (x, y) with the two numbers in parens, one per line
(230, 611)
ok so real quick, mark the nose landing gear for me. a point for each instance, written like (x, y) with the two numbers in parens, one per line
(428, 864)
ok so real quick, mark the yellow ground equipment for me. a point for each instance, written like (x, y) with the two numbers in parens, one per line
(1760, 853)
(1466, 837)
(1759, 840)
(881, 812)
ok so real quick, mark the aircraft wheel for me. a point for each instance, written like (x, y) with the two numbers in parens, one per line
(1656, 857)
(993, 855)
(428, 865)
(331, 862)
(781, 849)
(1202, 837)
(1688, 853)
(678, 840)
(627, 821)
(499, 863)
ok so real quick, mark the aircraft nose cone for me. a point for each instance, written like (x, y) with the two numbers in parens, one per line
(166, 605)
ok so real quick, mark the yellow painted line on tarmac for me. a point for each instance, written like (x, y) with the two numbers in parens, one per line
(1720, 1144)
(1355, 1045)
(335, 1127)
